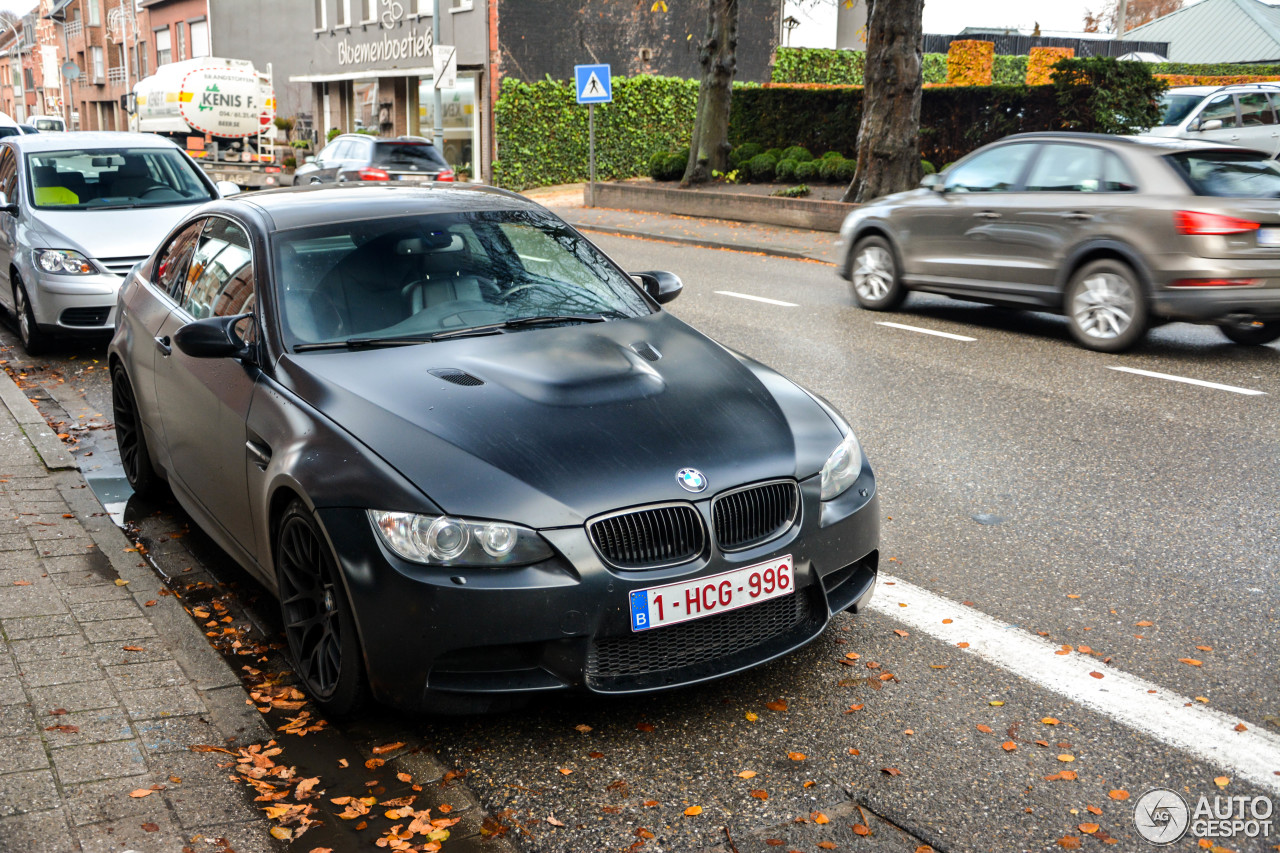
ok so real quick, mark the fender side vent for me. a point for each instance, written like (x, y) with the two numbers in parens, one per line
(646, 350)
(456, 376)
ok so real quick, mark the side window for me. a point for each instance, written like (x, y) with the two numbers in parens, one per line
(333, 152)
(171, 267)
(9, 174)
(361, 151)
(1067, 169)
(221, 277)
(1255, 109)
(997, 170)
(1116, 177)
(1222, 108)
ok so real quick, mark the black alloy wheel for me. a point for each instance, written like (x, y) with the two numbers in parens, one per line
(317, 616)
(130, 439)
(1252, 334)
(34, 341)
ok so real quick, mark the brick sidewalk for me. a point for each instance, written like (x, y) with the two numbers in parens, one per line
(105, 683)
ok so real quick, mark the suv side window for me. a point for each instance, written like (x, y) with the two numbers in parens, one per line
(221, 280)
(171, 266)
(1222, 108)
(1255, 109)
(996, 170)
(1066, 169)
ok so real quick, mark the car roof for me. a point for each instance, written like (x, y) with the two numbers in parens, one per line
(298, 207)
(1230, 87)
(421, 140)
(1147, 142)
(89, 139)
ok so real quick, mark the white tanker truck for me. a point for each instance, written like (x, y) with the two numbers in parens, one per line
(220, 110)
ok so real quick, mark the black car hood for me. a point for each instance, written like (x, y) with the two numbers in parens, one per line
(570, 421)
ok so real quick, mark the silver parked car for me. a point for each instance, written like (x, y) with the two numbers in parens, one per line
(1115, 233)
(77, 211)
(1243, 114)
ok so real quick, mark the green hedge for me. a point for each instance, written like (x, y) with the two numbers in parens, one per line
(542, 130)
(953, 120)
(844, 67)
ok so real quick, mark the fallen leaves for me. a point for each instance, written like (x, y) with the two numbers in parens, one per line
(891, 771)
(150, 827)
(831, 845)
(760, 794)
(985, 729)
(387, 747)
(1096, 674)
(1118, 794)
(901, 633)
(133, 648)
(1145, 624)
(65, 729)
(776, 706)
(751, 716)
(1190, 661)
(1062, 776)
(1008, 746)
(1241, 727)
(582, 727)
(1069, 842)
(747, 774)
(852, 708)
(644, 727)
(1088, 828)
(995, 703)
(819, 818)
(1065, 757)
(1222, 781)
(139, 793)
(796, 756)
(1049, 721)
(22, 583)
(693, 811)
(962, 645)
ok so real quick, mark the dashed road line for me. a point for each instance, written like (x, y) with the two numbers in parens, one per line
(1234, 389)
(1209, 735)
(924, 331)
(758, 299)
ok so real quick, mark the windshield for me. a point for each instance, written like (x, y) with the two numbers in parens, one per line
(47, 124)
(408, 155)
(1244, 174)
(1177, 107)
(113, 178)
(411, 277)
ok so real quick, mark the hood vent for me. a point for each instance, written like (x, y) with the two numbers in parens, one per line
(646, 350)
(456, 376)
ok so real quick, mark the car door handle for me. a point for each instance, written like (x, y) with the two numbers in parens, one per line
(987, 214)
(162, 344)
(1077, 216)
(259, 453)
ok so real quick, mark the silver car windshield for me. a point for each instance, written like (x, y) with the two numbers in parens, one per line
(94, 179)
(1244, 174)
(1177, 107)
(407, 279)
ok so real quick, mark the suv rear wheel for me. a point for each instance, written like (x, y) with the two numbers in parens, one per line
(1106, 307)
(1255, 334)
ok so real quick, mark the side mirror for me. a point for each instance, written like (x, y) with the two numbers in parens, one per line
(932, 181)
(226, 189)
(662, 286)
(213, 337)
(1211, 124)
(6, 206)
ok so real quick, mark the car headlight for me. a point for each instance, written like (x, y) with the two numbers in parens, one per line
(63, 262)
(842, 467)
(445, 541)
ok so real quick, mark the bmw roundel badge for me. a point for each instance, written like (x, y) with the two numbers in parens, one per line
(691, 479)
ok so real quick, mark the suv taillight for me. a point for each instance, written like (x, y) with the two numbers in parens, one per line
(1195, 223)
(374, 175)
(445, 175)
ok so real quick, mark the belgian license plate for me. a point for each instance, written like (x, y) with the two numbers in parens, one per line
(680, 602)
(1269, 236)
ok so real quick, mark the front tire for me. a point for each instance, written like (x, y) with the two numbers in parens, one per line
(318, 622)
(34, 341)
(874, 275)
(131, 440)
(1253, 334)
(1106, 307)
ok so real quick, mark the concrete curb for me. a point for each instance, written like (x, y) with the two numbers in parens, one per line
(48, 446)
(210, 675)
(699, 242)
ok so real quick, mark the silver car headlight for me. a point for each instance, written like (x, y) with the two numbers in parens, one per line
(445, 541)
(63, 262)
(842, 467)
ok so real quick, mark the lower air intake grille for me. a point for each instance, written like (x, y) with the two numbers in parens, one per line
(696, 642)
(649, 538)
(755, 514)
(85, 316)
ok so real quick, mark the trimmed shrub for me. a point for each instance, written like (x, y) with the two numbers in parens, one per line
(1040, 66)
(926, 167)
(776, 153)
(656, 168)
(786, 170)
(676, 164)
(1009, 70)
(807, 171)
(845, 170)
(933, 68)
(970, 63)
(832, 155)
(744, 153)
(762, 167)
(799, 191)
(798, 153)
(828, 168)
(1100, 94)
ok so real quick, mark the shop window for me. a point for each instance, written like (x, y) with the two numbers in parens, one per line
(321, 22)
(344, 14)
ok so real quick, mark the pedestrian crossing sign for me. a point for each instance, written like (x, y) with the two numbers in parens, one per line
(593, 83)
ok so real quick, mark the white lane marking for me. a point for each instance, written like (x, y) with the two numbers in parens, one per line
(758, 299)
(1232, 388)
(1197, 730)
(924, 331)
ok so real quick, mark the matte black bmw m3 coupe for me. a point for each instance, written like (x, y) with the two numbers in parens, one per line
(476, 459)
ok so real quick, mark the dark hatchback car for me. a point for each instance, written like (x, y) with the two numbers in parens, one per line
(1115, 233)
(474, 458)
(360, 157)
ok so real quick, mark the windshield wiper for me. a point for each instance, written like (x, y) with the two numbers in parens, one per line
(520, 322)
(469, 332)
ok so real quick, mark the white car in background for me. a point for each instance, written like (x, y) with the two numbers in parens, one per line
(48, 124)
(1246, 114)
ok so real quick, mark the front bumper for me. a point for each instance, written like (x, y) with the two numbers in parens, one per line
(74, 305)
(432, 635)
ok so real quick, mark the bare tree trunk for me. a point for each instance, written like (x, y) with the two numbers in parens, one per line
(709, 148)
(889, 135)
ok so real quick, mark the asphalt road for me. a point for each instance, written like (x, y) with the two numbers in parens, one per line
(1021, 478)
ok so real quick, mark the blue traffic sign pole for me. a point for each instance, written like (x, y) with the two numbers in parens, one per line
(593, 84)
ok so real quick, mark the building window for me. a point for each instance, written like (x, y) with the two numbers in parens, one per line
(421, 8)
(321, 22)
(460, 5)
(369, 11)
(17, 78)
(199, 38)
(142, 60)
(99, 66)
(182, 41)
(95, 15)
(164, 52)
(344, 14)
